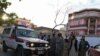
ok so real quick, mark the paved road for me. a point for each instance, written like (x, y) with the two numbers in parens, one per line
(9, 52)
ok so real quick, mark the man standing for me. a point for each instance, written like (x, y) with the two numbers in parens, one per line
(59, 45)
(65, 53)
(73, 46)
(83, 47)
(53, 45)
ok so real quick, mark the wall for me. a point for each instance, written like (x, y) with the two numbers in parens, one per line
(78, 32)
(86, 14)
(98, 21)
(77, 22)
(98, 27)
(92, 40)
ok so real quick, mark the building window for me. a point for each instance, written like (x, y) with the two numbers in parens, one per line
(85, 32)
(91, 32)
(92, 20)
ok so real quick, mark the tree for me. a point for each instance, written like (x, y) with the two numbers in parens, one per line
(1, 21)
(63, 19)
(11, 18)
(3, 6)
(55, 21)
(68, 6)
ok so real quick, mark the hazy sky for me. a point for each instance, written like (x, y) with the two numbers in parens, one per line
(42, 12)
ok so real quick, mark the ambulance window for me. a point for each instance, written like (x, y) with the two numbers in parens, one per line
(14, 32)
(26, 33)
(6, 31)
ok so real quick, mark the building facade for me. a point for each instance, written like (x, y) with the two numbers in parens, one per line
(45, 30)
(84, 22)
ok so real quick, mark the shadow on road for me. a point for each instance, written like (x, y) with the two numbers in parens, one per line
(8, 53)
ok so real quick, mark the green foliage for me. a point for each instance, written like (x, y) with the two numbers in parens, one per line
(10, 21)
(3, 6)
(1, 22)
(11, 18)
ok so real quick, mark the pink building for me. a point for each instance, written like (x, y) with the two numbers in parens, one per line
(84, 22)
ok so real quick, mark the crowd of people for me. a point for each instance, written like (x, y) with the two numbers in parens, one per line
(68, 46)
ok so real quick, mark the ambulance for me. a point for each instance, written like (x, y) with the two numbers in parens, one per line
(23, 40)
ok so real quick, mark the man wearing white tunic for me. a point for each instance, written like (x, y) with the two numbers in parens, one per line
(73, 46)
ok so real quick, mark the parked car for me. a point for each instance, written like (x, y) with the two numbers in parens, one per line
(94, 51)
(24, 41)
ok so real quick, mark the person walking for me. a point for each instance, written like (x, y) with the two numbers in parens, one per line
(73, 46)
(59, 45)
(83, 47)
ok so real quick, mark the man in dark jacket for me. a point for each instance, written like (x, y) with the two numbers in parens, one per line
(72, 44)
(59, 45)
(53, 45)
(83, 47)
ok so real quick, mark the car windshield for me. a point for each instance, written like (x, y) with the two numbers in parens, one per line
(26, 33)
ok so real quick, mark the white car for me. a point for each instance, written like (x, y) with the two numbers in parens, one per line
(24, 41)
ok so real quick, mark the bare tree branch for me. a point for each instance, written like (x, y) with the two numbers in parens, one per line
(56, 26)
(64, 17)
(57, 14)
(58, 11)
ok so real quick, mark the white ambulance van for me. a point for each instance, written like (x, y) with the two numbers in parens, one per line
(23, 40)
